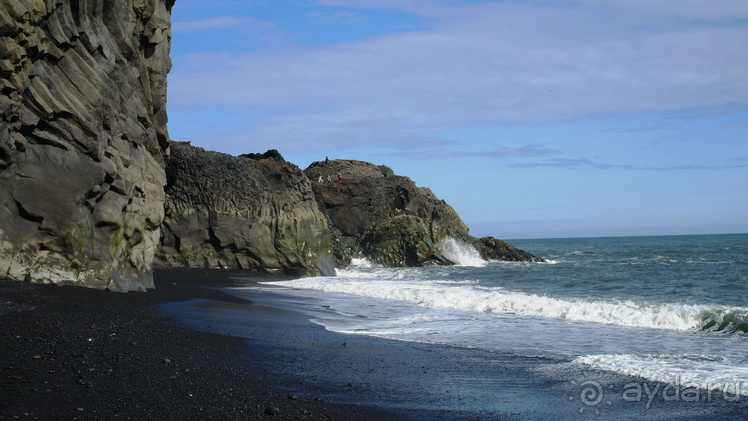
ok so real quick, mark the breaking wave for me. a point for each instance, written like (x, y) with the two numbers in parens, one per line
(474, 297)
(459, 252)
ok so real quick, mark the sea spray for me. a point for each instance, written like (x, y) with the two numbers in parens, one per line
(360, 262)
(460, 252)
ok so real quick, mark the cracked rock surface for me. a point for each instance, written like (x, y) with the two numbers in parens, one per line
(255, 211)
(83, 140)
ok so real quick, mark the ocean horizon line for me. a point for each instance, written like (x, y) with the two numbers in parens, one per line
(621, 236)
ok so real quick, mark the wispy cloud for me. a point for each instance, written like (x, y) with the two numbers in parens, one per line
(212, 24)
(346, 17)
(561, 163)
(528, 151)
(720, 10)
(503, 153)
(582, 162)
(486, 63)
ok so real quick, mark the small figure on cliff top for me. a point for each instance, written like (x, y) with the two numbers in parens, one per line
(327, 160)
(340, 176)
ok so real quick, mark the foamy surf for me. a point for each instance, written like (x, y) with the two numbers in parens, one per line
(459, 252)
(665, 313)
(684, 371)
(470, 296)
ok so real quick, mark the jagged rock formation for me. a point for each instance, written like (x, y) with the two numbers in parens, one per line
(493, 249)
(82, 139)
(405, 241)
(250, 212)
(370, 194)
(386, 218)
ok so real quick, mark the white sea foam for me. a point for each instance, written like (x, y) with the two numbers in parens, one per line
(459, 252)
(448, 294)
(698, 371)
(562, 313)
(360, 262)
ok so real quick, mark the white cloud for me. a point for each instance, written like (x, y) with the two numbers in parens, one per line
(698, 9)
(216, 23)
(493, 63)
(641, 9)
(416, 6)
(346, 17)
(532, 150)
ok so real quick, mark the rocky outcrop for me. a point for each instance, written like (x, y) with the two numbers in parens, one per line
(259, 212)
(369, 194)
(251, 212)
(405, 241)
(493, 249)
(82, 139)
(391, 221)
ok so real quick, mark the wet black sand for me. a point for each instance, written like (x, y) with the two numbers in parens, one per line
(408, 380)
(75, 353)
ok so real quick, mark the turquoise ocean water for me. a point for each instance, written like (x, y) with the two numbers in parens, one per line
(670, 309)
(608, 328)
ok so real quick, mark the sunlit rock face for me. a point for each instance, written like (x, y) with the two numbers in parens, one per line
(255, 212)
(83, 140)
(367, 194)
(389, 220)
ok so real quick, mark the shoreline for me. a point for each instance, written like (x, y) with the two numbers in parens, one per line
(195, 348)
(79, 353)
(408, 380)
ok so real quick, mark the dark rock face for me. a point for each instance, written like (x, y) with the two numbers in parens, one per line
(405, 241)
(492, 249)
(389, 220)
(255, 212)
(82, 139)
(369, 194)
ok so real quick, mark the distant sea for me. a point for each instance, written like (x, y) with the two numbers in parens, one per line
(664, 312)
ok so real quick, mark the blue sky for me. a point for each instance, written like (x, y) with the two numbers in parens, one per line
(533, 119)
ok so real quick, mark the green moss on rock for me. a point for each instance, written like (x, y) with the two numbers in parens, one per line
(405, 241)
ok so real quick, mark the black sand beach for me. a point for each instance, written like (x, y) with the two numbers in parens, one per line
(188, 350)
(76, 353)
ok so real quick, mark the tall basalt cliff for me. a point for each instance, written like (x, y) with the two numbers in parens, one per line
(82, 139)
(252, 212)
(92, 188)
